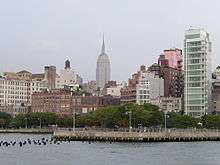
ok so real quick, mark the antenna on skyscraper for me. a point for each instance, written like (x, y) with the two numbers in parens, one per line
(103, 44)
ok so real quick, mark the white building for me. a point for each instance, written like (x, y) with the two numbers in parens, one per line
(67, 77)
(115, 91)
(16, 91)
(197, 66)
(149, 87)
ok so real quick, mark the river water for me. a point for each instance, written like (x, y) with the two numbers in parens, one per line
(98, 153)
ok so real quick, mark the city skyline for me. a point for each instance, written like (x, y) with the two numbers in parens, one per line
(138, 34)
(95, 82)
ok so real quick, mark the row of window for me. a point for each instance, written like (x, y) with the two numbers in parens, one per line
(144, 92)
(196, 61)
(196, 43)
(15, 93)
(196, 84)
(14, 101)
(196, 66)
(195, 107)
(18, 83)
(143, 97)
(196, 55)
(197, 72)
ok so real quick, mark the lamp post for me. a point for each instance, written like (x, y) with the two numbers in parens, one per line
(165, 122)
(40, 122)
(130, 117)
(74, 109)
(130, 127)
(74, 120)
(25, 122)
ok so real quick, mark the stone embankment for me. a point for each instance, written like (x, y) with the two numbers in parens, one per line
(144, 136)
(27, 131)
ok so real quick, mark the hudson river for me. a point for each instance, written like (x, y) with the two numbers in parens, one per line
(78, 153)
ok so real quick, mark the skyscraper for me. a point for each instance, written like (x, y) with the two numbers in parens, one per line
(102, 68)
(197, 66)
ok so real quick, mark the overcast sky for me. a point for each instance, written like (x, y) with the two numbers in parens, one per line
(35, 33)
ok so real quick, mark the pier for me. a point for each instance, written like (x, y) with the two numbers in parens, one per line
(139, 136)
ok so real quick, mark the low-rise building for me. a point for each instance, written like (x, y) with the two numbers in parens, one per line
(63, 102)
(114, 91)
(55, 101)
(85, 104)
(169, 104)
(128, 92)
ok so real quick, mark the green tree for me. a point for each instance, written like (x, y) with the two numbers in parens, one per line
(5, 119)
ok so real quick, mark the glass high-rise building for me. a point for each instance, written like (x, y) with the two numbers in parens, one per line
(197, 78)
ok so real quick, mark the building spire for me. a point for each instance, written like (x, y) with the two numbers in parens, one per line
(103, 44)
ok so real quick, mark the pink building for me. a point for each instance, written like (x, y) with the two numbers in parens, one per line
(171, 58)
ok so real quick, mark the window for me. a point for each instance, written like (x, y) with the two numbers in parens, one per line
(194, 79)
(191, 36)
(194, 67)
(194, 72)
(194, 85)
(194, 61)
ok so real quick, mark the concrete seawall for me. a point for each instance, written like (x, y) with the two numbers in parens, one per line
(27, 131)
(160, 136)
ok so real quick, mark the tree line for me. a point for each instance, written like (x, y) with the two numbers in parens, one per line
(112, 117)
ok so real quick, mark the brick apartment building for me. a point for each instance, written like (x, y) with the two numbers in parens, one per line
(170, 68)
(63, 103)
(128, 93)
(55, 101)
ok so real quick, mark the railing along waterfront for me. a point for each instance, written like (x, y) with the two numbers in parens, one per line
(138, 135)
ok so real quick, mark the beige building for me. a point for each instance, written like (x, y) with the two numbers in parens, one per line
(67, 77)
(168, 104)
(114, 91)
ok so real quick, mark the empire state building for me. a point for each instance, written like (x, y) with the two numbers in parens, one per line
(102, 68)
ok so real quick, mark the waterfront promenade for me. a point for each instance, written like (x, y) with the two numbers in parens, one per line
(173, 135)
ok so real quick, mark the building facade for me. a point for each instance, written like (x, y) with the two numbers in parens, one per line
(172, 58)
(197, 77)
(149, 87)
(54, 101)
(16, 90)
(216, 92)
(62, 102)
(50, 76)
(169, 104)
(114, 91)
(129, 92)
(103, 68)
(67, 77)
